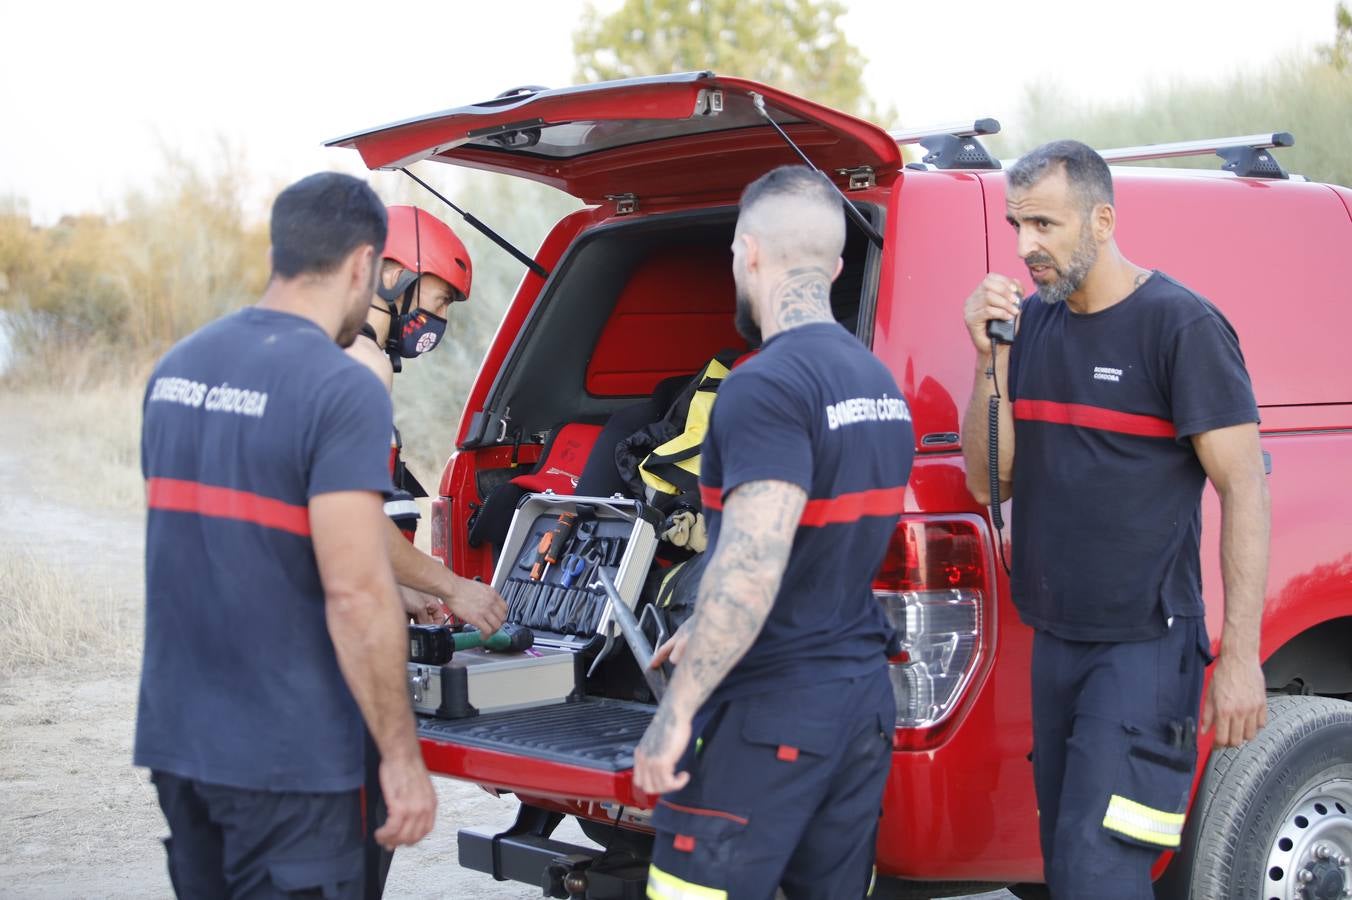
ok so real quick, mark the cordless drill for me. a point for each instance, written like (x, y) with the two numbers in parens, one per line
(436, 644)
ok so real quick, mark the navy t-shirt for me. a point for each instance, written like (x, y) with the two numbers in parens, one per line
(814, 408)
(245, 421)
(1107, 486)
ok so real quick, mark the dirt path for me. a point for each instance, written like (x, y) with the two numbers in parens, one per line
(77, 819)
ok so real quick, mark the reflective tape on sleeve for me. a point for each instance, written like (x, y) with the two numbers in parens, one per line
(1142, 823)
(665, 886)
(397, 508)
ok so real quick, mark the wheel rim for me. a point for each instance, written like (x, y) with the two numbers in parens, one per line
(1311, 853)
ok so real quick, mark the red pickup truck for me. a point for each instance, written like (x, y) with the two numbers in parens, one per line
(636, 287)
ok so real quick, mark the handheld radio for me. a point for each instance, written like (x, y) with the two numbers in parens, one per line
(1000, 331)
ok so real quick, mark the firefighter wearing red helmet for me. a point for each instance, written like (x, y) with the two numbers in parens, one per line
(426, 268)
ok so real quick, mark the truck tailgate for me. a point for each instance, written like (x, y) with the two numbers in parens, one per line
(578, 750)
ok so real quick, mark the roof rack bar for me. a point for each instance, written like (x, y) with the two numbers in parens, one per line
(1198, 148)
(965, 129)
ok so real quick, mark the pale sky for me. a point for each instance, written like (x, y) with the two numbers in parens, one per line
(89, 92)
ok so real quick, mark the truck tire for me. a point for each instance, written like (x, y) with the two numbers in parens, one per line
(1273, 819)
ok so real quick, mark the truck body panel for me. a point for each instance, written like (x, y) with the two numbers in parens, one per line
(1271, 255)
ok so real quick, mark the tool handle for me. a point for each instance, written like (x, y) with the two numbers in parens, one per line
(541, 552)
(633, 635)
(572, 567)
(559, 537)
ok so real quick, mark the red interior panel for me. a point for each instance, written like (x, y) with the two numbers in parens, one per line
(675, 312)
(559, 471)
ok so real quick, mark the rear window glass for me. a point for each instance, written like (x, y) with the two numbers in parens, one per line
(565, 140)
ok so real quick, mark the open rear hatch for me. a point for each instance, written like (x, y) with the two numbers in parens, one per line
(669, 138)
(667, 141)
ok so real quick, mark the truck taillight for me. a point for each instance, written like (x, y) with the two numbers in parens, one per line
(935, 586)
(441, 529)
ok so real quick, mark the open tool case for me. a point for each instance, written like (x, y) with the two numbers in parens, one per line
(562, 602)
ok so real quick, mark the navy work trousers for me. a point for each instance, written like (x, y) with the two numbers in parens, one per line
(242, 844)
(1114, 749)
(785, 789)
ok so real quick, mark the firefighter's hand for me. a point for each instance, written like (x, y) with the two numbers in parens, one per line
(673, 648)
(478, 604)
(410, 799)
(657, 754)
(997, 297)
(1236, 700)
(423, 608)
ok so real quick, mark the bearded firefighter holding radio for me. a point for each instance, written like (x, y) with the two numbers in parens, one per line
(425, 269)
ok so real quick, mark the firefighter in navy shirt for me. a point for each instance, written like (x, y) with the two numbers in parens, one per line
(773, 743)
(1126, 391)
(273, 627)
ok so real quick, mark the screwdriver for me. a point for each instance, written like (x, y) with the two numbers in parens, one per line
(563, 530)
(540, 551)
(552, 545)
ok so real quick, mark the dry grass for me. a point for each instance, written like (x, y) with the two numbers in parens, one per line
(80, 443)
(47, 616)
(1307, 97)
(134, 280)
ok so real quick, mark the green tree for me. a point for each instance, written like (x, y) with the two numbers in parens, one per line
(1339, 52)
(796, 45)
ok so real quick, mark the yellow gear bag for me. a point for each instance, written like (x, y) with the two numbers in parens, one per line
(672, 468)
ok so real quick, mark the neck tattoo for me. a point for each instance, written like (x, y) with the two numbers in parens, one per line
(803, 296)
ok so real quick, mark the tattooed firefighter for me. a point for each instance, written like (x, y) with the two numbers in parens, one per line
(773, 742)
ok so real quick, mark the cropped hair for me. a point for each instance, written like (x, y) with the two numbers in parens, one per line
(320, 219)
(1086, 172)
(788, 181)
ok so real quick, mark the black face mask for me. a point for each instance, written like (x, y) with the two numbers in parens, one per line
(412, 331)
(419, 332)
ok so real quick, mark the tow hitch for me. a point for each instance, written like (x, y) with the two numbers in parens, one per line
(526, 853)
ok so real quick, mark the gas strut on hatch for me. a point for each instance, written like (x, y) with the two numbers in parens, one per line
(855, 215)
(484, 229)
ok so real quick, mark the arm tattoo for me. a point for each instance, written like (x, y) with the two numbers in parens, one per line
(803, 296)
(737, 591)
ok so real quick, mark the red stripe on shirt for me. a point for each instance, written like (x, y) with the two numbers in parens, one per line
(1092, 417)
(853, 507)
(175, 495)
(833, 510)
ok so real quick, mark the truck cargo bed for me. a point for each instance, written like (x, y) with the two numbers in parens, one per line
(595, 733)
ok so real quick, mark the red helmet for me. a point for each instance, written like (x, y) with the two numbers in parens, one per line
(420, 242)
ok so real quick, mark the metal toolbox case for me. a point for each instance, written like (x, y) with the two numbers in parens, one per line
(625, 532)
(568, 614)
(481, 681)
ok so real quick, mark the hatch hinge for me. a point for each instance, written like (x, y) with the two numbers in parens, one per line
(861, 177)
(708, 102)
(625, 204)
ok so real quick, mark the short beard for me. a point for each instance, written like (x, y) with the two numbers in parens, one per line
(356, 318)
(347, 337)
(1069, 281)
(745, 320)
(350, 328)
